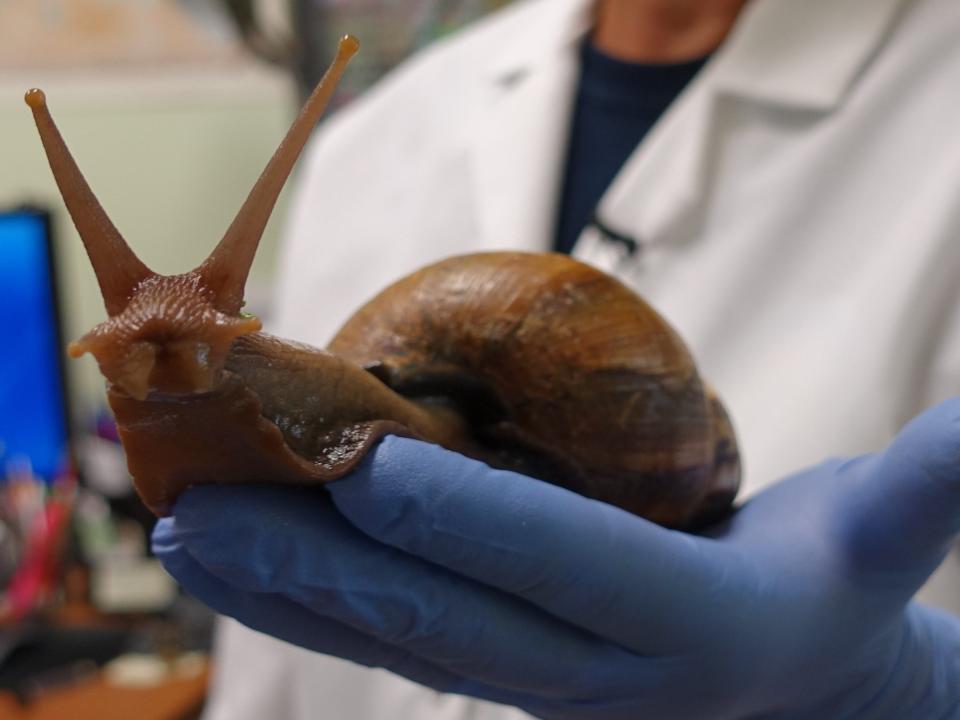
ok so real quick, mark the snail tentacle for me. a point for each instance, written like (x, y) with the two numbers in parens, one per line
(225, 271)
(119, 271)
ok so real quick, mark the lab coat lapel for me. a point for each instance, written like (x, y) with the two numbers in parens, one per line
(654, 197)
(518, 142)
(659, 194)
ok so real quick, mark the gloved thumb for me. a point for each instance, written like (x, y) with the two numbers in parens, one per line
(902, 507)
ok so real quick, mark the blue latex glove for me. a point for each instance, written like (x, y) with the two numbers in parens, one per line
(489, 583)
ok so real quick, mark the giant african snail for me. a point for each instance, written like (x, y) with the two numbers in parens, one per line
(533, 362)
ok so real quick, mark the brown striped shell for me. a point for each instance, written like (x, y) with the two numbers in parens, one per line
(562, 372)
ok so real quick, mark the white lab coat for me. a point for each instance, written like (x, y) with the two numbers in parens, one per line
(798, 215)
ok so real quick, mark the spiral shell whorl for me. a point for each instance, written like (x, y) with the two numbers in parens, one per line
(581, 382)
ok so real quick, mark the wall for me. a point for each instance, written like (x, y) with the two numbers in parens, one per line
(171, 155)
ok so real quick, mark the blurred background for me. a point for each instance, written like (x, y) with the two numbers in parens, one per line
(171, 108)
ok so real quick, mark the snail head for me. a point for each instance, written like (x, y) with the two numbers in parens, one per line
(172, 333)
(170, 338)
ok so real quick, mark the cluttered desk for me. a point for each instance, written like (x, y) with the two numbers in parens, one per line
(90, 626)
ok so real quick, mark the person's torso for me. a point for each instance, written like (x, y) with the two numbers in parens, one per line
(804, 240)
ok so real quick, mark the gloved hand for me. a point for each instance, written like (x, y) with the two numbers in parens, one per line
(489, 583)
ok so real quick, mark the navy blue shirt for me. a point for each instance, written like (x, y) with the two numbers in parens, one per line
(617, 103)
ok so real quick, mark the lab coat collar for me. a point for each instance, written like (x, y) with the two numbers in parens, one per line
(554, 26)
(520, 128)
(768, 55)
(521, 131)
(802, 53)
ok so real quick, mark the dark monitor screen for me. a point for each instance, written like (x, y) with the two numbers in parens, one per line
(33, 417)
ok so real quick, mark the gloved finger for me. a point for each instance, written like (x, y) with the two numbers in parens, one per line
(607, 571)
(280, 617)
(902, 507)
(293, 542)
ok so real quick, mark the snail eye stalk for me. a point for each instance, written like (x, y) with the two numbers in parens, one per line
(225, 271)
(119, 271)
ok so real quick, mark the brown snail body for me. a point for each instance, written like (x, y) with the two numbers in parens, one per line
(532, 362)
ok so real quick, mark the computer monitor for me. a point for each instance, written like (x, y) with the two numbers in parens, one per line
(33, 407)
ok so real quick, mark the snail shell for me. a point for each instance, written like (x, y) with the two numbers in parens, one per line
(532, 362)
(562, 372)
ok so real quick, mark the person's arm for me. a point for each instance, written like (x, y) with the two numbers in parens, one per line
(495, 585)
